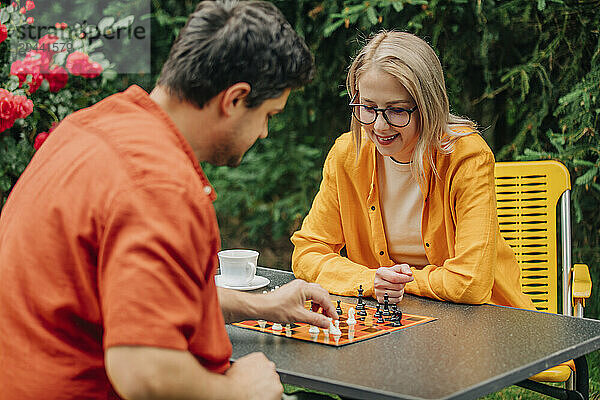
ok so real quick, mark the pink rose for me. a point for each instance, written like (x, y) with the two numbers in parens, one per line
(29, 5)
(3, 33)
(33, 64)
(22, 106)
(12, 108)
(6, 105)
(57, 77)
(78, 63)
(40, 139)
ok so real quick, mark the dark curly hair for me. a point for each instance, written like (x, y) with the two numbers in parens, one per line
(225, 42)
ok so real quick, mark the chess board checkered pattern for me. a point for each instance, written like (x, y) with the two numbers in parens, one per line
(363, 330)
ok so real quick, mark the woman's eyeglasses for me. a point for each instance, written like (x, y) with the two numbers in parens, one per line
(394, 116)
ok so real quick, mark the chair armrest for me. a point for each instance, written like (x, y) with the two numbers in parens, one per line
(582, 283)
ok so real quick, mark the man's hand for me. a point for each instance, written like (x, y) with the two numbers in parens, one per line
(256, 375)
(286, 304)
(391, 280)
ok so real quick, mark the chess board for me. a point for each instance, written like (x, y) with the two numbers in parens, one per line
(365, 328)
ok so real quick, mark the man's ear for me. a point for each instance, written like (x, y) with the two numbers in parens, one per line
(233, 97)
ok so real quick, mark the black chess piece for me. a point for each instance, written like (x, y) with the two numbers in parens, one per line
(339, 308)
(360, 305)
(393, 317)
(378, 312)
(398, 317)
(386, 305)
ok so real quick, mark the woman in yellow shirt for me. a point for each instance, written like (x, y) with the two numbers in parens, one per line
(409, 192)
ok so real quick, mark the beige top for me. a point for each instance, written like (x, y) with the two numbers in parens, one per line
(402, 206)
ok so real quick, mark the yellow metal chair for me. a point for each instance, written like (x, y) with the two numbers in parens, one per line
(527, 195)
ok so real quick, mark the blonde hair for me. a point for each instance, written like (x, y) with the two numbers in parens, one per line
(415, 65)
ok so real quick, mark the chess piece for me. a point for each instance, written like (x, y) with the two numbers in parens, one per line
(398, 318)
(378, 312)
(277, 327)
(313, 330)
(314, 335)
(351, 321)
(326, 330)
(386, 305)
(380, 320)
(337, 339)
(288, 330)
(262, 323)
(360, 305)
(339, 308)
(334, 329)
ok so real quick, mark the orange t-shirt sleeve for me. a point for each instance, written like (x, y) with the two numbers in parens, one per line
(153, 266)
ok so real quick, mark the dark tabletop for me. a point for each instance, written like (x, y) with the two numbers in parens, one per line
(469, 351)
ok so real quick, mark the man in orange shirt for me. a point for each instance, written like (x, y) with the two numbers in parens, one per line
(108, 241)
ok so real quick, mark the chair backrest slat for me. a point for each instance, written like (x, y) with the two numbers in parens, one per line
(527, 194)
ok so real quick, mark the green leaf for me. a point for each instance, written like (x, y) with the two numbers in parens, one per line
(109, 74)
(398, 6)
(329, 29)
(4, 16)
(105, 23)
(13, 83)
(124, 23)
(372, 15)
(95, 44)
(60, 58)
(541, 4)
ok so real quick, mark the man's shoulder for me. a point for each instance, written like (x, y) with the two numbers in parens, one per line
(132, 130)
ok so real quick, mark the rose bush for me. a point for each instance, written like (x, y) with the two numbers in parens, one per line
(55, 76)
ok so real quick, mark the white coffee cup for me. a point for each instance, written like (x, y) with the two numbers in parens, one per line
(238, 266)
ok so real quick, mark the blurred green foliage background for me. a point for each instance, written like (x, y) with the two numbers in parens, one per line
(528, 71)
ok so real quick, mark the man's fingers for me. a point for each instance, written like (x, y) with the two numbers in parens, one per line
(319, 295)
(314, 318)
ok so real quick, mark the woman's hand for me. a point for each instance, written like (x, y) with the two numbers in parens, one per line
(391, 280)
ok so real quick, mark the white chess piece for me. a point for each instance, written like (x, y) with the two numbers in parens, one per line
(334, 329)
(277, 326)
(326, 330)
(337, 338)
(288, 330)
(313, 330)
(351, 320)
(262, 323)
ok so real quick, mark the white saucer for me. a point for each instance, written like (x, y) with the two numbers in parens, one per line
(256, 283)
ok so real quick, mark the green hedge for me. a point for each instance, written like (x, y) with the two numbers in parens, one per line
(527, 71)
